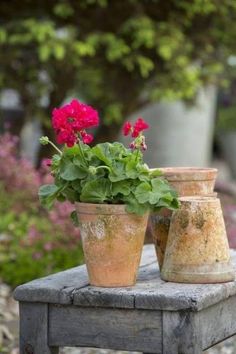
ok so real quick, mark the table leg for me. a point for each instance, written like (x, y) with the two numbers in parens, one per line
(34, 329)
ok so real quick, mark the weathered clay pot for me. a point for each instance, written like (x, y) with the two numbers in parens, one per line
(112, 242)
(159, 224)
(185, 180)
(197, 249)
(188, 181)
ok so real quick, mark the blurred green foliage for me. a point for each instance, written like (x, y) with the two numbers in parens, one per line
(117, 55)
(226, 119)
(31, 246)
(33, 241)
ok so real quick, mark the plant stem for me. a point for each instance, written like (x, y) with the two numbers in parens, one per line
(106, 167)
(137, 155)
(82, 153)
(55, 147)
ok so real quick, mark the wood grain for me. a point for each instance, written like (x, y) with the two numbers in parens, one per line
(106, 328)
(150, 292)
(34, 329)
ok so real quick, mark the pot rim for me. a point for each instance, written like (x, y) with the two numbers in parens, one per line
(177, 174)
(102, 209)
(198, 199)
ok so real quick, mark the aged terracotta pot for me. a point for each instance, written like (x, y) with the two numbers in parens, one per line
(197, 249)
(112, 242)
(186, 181)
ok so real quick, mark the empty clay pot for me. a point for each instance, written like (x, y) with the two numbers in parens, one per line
(186, 181)
(112, 242)
(197, 249)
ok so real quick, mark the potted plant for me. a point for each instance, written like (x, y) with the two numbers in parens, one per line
(112, 189)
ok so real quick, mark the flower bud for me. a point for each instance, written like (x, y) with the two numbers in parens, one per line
(132, 145)
(44, 140)
(92, 170)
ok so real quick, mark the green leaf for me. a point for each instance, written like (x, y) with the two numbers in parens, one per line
(162, 194)
(160, 185)
(131, 169)
(71, 195)
(59, 51)
(96, 191)
(47, 194)
(47, 189)
(142, 192)
(71, 172)
(76, 185)
(44, 52)
(118, 172)
(74, 218)
(134, 207)
(56, 160)
(102, 151)
(121, 187)
(155, 173)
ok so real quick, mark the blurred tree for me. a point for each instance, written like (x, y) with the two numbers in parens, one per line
(117, 55)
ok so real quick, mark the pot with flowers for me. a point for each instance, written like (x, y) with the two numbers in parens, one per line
(112, 189)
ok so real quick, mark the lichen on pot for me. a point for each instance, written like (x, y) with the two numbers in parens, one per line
(112, 243)
(197, 249)
(188, 181)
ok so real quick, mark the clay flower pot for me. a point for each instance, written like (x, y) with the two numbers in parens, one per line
(186, 181)
(197, 249)
(112, 242)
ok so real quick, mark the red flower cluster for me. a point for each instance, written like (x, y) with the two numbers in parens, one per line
(135, 130)
(72, 119)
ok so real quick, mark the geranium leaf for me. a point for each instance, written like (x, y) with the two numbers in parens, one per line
(47, 194)
(47, 189)
(74, 218)
(142, 192)
(133, 206)
(102, 151)
(121, 187)
(96, 191)
(71, 172)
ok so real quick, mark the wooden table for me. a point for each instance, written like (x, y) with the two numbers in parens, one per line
(152, 317)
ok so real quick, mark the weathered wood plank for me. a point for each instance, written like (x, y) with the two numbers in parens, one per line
(56, 288)
(59, 287)
(34, 329)
(106, 328)
(181, 333)
(218, 322)
(150, 291)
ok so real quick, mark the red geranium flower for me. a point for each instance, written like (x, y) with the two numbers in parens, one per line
(87, 138)
(71, 119)
(127, 127)
(139, 126)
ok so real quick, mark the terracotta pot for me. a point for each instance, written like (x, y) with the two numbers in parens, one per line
(186, 181)
(112, 242)
(159, 224)
(197, 249)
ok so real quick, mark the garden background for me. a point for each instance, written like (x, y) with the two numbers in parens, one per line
(172, 62)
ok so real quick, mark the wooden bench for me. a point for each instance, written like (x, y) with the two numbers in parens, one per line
(152, 317)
